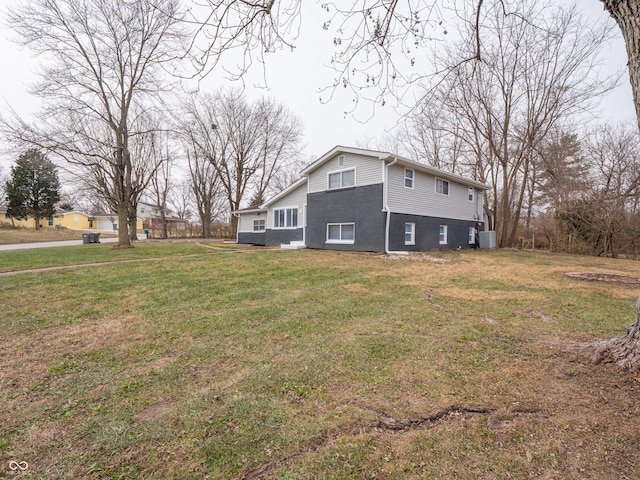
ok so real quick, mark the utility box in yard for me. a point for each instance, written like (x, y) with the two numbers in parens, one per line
(488, 239)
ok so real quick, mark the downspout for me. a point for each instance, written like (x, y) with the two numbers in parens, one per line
(385, 194)
(237, 229)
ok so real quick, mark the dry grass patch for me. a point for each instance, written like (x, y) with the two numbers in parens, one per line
(306, 364)
(11, 235)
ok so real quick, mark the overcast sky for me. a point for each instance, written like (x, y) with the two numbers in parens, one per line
(294, 79)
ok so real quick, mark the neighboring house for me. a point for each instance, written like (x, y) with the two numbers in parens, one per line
(108, 222)
(73, 220)
(365, 200)
(28, 222)
(148, 211)
(152, 218)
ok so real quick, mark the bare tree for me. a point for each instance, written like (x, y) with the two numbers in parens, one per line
(206, 188)
(288, 174)
(161, 182)
(373, 30)
(247, 143)
(105, 60)
(605, 215)
(3, 181)
(537, 68)
(181, 199)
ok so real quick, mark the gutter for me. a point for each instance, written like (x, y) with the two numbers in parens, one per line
(234, 214)
(387, 211)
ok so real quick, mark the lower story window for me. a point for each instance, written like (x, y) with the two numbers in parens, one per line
(443, 234)
(409, 233)
(472, 235)
(341, 232)
(258, 225)
(285, 218)
(50, 221)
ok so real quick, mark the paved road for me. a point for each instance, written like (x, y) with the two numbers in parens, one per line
(64, 243)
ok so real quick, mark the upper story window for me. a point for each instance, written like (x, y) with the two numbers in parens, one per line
(470, 194)
(341, 161)
(344, 178)
(442, 186)
(285, 218)
(408, 178)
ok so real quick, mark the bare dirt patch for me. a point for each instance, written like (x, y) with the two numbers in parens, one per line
(424, 257)
(609, 278)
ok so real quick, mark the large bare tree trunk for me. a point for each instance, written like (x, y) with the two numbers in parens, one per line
(623, 351)
(627, 14)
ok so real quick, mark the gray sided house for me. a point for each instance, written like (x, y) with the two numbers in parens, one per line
(365, 200)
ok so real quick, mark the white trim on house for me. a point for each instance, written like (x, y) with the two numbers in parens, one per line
(411, 240)
(340, 240)
(284, 192)
(288, 220)
(257, 223)
(341, 172)
(411, 178)
(340, 149)
(389, 157)
(385, 177)
(443, 182)
(443, 235)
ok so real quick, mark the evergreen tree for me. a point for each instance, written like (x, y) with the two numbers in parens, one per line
(33, 188)
(563, 170)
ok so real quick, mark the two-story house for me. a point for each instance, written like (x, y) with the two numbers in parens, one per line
(365, 200)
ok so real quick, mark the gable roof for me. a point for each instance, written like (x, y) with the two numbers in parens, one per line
(388, 156)
(61, 213)
(340, 149)
(283, 193)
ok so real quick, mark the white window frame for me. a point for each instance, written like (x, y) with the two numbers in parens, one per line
(472, 235)
(442, 235)
(411, 233)
(341, 240)
(411, 178)
(471, 194)
(341, 161)
(256, 221)
(341, 173)
(442, 182)
(287, 218)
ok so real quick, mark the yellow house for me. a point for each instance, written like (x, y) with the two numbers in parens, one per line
(24, 223)
(74, 220)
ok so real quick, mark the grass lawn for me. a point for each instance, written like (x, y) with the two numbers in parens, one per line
(177, 361)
